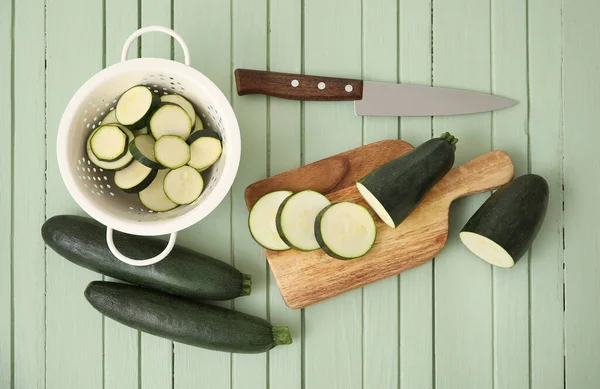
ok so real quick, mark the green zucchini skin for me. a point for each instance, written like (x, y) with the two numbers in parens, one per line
(202, 134)
(183, 272)
(401, 184)
(185, 321)
(513, 215)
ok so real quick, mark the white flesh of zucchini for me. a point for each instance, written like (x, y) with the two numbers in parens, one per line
(183, 103)
(170, 119)
(134, 178)
(487, 249)
(375, 205)
(109, 143)
(347, 230)
(171, 151)
(204, 152)
(183, 185)
(154, 197)
(115, 165)
(261, 220)
(141, 131)
(133, 105)
(296, 219)
(110, 118)
(199, 126)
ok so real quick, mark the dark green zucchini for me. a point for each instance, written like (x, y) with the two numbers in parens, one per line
(183, 272)
(505, 226)
(183, 320)
(396, 188)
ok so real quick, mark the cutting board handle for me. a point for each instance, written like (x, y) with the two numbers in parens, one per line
(484, 173)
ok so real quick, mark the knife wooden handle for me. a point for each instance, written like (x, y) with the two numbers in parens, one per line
(297, 86)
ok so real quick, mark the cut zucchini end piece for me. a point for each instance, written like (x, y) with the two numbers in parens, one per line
(345, 230)
(487, 249)
(246, 284)
(261, 221)
(282, 335)
(375, 205)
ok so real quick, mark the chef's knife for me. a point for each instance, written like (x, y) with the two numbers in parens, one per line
(370, 98)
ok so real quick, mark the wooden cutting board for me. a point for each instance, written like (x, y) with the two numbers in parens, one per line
(305, 278)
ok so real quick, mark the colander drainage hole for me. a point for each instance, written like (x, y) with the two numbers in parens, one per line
(106, 179)
(107, 185)
(112, 194)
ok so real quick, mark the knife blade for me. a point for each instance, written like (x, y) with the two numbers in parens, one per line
(370, 98)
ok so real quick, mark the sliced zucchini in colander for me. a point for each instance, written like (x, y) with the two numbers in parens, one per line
(199, 126)
(141, 131)
(109, 142)
(170, 119)
(135, 177)
(171, 151)
(142, 149)
(183, 103)
(183, 185)
(135, 107)
(154, 197)
(205, 149)
(110, 118)
(115, 165)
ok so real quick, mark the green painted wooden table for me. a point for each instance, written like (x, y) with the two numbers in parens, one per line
(455, 322)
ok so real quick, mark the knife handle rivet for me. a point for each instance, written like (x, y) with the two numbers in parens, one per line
(321, 85)
(295, 83)
(348, 88)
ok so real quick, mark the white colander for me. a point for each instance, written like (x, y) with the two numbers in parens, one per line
(93, 188)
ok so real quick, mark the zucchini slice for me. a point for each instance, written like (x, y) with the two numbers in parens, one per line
(183, 185)
(141, 131)
(183, 103)
(135, 177)
(261, 220)
(296, 216)
(396, 188)
(171, 151)
(199, 126)
(170, 119)
(142, 149)
(154, 197)
(205, 149)
(503, 229)
(110, 118)
(135, 107)
(115, 165)
(185, 321)
(345, 230)
(109, 142)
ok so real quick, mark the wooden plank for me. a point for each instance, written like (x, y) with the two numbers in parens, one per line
(463, 298)
(6, 128)
(582, 217)
(29, 181)
(74, 328)
(285, 140)
(509, 133)
(333, 329)
(416, 286)
(156, 354)
(546, 148)
(121, 343)
(380, 300)
(210, 54)
(249, 50)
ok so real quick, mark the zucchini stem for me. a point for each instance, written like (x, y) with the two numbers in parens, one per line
(450, 139)
(246, 284)
(282, 335)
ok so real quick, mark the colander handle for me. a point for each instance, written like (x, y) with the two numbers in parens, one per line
(137, 262)
(135, 35)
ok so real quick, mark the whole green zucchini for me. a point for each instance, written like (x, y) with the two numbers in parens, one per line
(185, 321)
(183, 272)
(396, 188)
